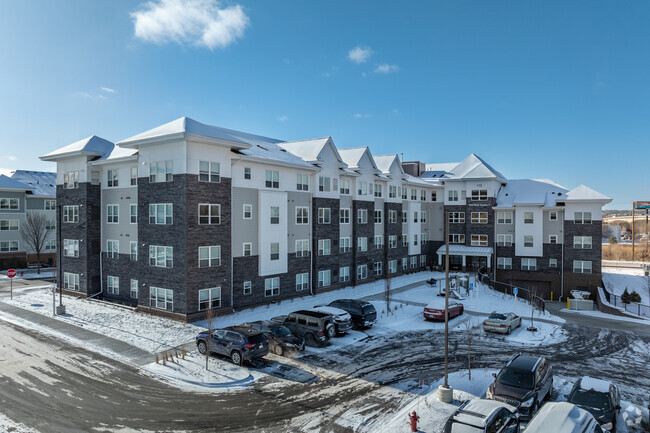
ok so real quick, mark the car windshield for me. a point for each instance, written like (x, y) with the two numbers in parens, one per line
(497, 316)
(517, 378)
(280, 331)
(589, 398)
(367, 309)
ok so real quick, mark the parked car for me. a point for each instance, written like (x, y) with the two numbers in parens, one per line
(315, 327)
(342, 319)
(502, 323)
(363, 313)
(281, 340)
(486, 416)
(598, 397)
(239, 343)
(563, 417)
(432, 312)
(524, 382)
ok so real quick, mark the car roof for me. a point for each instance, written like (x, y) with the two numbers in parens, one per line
(592, 384)
(243, 330)
(477, 412)
(354, 301)
(561, 417)
(524, 362)
(329, 310)
(312, 313)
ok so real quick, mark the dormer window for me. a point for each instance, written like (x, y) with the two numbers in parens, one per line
(71, 180)
(112, 178)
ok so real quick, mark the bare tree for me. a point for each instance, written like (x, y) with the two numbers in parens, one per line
(532, 295)
(209, 322)
(34, 231)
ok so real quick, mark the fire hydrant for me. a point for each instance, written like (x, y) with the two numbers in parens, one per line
(414, 421)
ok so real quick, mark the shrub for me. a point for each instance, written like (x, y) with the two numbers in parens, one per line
(625, 297)
(635, 297)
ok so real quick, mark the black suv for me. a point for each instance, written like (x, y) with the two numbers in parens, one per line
(316, 328)
(363, 313)
(239, 343)
(524, 382)
(281, 340)
(600, 398)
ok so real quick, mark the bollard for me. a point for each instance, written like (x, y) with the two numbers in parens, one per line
(568, 303)
(551, 296)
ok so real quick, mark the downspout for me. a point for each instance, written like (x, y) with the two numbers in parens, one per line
(562, 276)
(311, 242)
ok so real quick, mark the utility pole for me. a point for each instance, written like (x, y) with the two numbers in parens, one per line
(633, 208)
(445, 392)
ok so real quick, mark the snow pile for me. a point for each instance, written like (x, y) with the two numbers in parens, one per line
(616, 280)
(9, 426)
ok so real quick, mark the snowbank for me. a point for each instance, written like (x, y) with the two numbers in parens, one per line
(616, 280)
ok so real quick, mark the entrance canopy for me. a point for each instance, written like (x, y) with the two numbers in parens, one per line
(465, 251)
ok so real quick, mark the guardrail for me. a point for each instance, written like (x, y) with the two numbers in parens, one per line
(522, 292)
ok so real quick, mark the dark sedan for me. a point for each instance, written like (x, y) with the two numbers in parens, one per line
(239, 343)
(281, 340)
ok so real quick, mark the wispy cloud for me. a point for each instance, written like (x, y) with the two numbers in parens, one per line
(11, 158)
(84, 95)
(362, 116)
(283, 118)
(359, 54)
(397, 112)
(107, 89)
(385, 68)
(332, 71)
(195, 22)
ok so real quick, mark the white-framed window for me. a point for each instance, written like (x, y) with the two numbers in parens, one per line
(423, 260)
(247, 249)
(528, 264)
(504, 263)
(335, 184)
(362, 244)
(209, 171)
(423, 238)
(362, 216)
(378, 216)
(415, 216)
(324, 183)
(111, 181)
(345, 186)
(392, 216)
(12, 225)
(423, 195)
(403, 192)
(272, 286)
(456, 238)
(392, 241)
(405, 217)
(161, 171)
(133, 213)
(160, 298)
(302, 248)
(552, 215)
(504, 217)
(161, 256)
(134, 290)
(344, 274)
(392, 266)
(324, 247)
(209, 298)
(248, 211)
(504, 240)
(134, 180)
(210, 256)
(13, 203)
(479, 194)
(457, 217)
(405, 240)
(50, 245)
(414, 194)
(392, 191)
(552, 263)
(302, 281)
(70, 281)
(161, 213)
(344, 216)
(324, 215)
(434, 196)
(133, 248)
(272, 179)
(582, 267)
(275, 251)
(70, 247)
(112, 249)
(405, 264)
(302, 182)
(324, 278)
(529, 217)
(415, 239)
(247, 173)
(275, 215)
(344, 245)
(248, 287)
(552, 239)
(582, 242)
(113, 285)
(423, 217)
(209, 213)
(479, 217)
(479, 240)
(49, 224)
(362, 272)
(362, 188)
(452, 196)
(71, 214)
(113, 213)
(413, 261)
(302, 215)
(377, 190)
(528, 241)
(378, 241)
(377, 268)
(582, 218)
(71, 179)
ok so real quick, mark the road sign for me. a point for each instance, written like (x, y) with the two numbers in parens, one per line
(515, 291)
(11, 273)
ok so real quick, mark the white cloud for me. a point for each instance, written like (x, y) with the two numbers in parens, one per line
(11, 158)
(107, 89)
(385, 68)
(198, 22)
(359, 54)
(84, 95)
(362, 116)
(283, 118)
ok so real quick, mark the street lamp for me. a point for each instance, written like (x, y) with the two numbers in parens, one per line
(446, 392)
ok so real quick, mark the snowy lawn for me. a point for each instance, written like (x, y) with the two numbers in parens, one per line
(616, 280)
(547, 333)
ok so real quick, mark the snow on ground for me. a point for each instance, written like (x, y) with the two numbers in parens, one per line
(607, 316)
(547, 333)
(616, 280)
(31, 274)
(9, 426)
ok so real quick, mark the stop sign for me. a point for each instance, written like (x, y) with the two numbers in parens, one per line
(11, 273)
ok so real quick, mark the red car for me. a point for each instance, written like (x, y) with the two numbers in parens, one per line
(437, 313)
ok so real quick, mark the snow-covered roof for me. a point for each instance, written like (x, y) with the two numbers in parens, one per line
(584, 193)
(43, 183)
(273, 152)
(12, 184)
(352, 156)
(384, 162)
(445, 167)
(473, 167)
(560, 417)
(416, 180)
(589, 383)
(535, 192)
(306, 149)
(464, 249)
(91, 146)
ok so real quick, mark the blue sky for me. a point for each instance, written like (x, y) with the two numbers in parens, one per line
(545, 89)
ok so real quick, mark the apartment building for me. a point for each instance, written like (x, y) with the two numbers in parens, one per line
(21, 193)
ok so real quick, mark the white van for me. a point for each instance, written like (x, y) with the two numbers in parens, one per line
(563, 417)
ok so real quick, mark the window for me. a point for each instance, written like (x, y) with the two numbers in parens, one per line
(378, 241)
(209, 213)
(133, 213)
(70, 247)
(434, 196)
(12, 203)
(209, 298)
(133, 293)
(528, 264)
(457, 217)
(335, 184)
(552, 215)
(71, 214)
(272, 286)
(423, 238)
(363, 188)
(504, 240)
(302, 182)
(50, 245)
(392, 266)
(324, 247)
(405, 240)
(362, 272)
(49, 204)
(209, 256)
(404, 193)
(378, 216)
(344, 216)
(12, 225)
(456, 238)
(70, 281)
(377, 190)
(344, 274)
(414, 194)
(582, 218)
(423, 217)
(344, 245)
(479, 217)
(405, 264)
(453, 196)
(209, 171)
(302, 215)
(113, 285)
(134, 181)
(275, 251)
(415, 239)
(161, 213)
(392, 216)
(323, 184)
(272, 179)
(552, 263)
(161, 298)
(112, 178)
(248, 211)
(552, 239)
(112, 213)
(71, 180)
(362, 216)
(302, 248)
(362, 244)
(133, 246)
(112, 249)
(405, 217)
(415, 216)
(302, 281)
(324, 278)
(345, 186)
(479, 240)
(248, 288)
(582, 242)
(324, 215)
(504, 217)
(247, 249)
(392, 191)
(528, 241)
(504, 263)
(377, 269)
(423, 260)
(247, 173)
(528, 218)
(161, 256)
(414, 262)
(582, 267)
(479, 194)
(392, 241)
(275, 215)
(161, 171)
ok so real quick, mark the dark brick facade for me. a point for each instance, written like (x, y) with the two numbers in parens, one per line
(327, 231)
(393, 229)
(581, 281)
(366, 230)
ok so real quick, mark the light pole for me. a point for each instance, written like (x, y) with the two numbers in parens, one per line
(445, 392)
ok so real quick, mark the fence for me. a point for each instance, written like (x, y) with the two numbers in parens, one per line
(631, 307)
(522, 292)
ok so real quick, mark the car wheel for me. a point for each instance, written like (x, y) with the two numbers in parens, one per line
(235, 356)
(310, 340)
(278, 350)
(509, 330)
(330, 331)
(202, 347)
